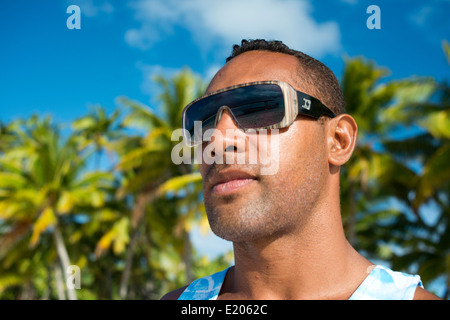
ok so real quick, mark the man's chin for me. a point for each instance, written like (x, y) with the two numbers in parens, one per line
(241, 223)
(241, 234)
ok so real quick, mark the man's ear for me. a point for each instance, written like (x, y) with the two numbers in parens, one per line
(342, 133)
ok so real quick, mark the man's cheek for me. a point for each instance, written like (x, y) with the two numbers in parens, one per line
(264, 151)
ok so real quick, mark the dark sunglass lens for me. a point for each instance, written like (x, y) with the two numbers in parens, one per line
(259, 106)
(204, 110)
(253, 106)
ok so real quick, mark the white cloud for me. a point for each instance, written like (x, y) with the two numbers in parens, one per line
(433, 12)
(421, 16)
(223, 23)
(148, 85)
(142, 38)
(149, 71)
(89, 8)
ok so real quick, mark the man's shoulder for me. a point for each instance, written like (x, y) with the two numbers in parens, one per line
(174, 295)
(422, 294)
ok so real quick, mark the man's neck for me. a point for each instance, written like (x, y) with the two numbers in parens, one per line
(314, 263)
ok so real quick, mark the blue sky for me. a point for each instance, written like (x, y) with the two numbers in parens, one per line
(46, 68)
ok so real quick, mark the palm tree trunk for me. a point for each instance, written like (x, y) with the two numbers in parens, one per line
(146, 196)
(187, 257)
(143, 199)
(123, 289)
(64, 258)
(187, 252)
(59, 282)
(28, 292)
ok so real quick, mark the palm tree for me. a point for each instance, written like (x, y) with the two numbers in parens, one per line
(428, 242)
(392, 177)
(145, 162)
(369, 175)
(43, 184)
(98, 129)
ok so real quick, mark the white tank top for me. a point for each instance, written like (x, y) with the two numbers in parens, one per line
(381, 284)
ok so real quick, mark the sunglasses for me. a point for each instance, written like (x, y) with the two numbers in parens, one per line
(253, 106)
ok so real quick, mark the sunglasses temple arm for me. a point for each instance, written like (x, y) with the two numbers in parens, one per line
(327, 111)
(312, 107)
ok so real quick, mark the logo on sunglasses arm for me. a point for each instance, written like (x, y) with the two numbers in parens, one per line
(263, 148)
(306, 104)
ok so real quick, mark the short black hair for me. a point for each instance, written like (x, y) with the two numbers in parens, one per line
(319, 77)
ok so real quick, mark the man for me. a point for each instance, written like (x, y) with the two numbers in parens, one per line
(286, 227)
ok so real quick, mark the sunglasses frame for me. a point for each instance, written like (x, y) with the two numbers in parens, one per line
(295, 103)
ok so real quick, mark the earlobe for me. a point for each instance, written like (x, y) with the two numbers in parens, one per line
(342, 134)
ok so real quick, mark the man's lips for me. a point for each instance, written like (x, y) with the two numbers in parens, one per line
(230, 186)
(229, 181)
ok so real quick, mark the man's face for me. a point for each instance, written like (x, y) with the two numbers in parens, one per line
(241, 203)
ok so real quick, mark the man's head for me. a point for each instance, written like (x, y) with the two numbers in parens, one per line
(241, 203)
(315, 74)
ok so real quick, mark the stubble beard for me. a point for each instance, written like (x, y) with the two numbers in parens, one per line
(278, 208)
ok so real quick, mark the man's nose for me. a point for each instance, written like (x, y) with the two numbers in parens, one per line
(228, 137)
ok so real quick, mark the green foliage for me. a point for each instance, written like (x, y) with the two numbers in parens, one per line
(127, 222)
(391, 180)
